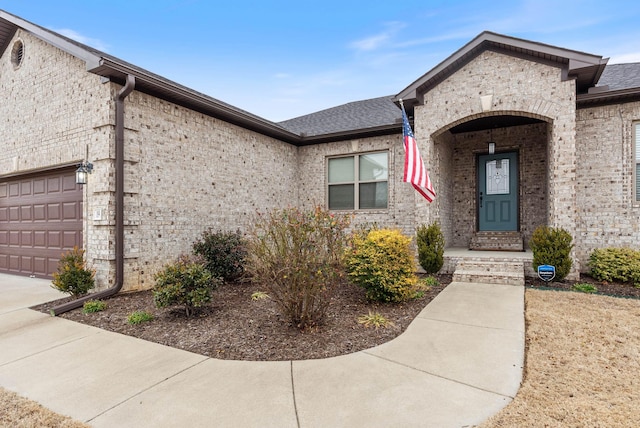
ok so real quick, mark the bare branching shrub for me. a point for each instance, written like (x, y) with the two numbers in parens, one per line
(295, 256)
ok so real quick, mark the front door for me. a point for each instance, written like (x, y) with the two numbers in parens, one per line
(498, 192)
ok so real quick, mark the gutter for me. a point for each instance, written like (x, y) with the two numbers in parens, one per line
(119, 238)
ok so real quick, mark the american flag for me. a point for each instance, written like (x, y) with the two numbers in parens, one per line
(414, 170)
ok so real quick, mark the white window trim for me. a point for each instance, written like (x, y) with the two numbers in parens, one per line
(356, 182)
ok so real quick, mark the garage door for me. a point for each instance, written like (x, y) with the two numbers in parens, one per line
(40, 218)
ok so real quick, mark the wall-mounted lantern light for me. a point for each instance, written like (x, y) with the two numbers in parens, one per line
(83, 172)
(492, 147)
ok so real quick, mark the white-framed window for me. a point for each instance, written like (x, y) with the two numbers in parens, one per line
(636, 156)
(358, 182)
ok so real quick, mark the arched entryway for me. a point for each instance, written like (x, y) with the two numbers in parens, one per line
(495, 194)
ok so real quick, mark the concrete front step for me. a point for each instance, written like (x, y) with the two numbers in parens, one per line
(497, 241)
(506, 272)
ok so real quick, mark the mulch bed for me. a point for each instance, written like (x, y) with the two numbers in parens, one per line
(235, 327)
(604, 288)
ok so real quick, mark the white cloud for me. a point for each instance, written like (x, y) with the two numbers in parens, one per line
(89, 41)
(379, 40)
(625, 58)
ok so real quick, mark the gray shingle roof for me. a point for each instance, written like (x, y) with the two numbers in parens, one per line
(621, 76)
(357, 115)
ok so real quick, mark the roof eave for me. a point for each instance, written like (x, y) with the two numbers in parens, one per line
(608, 97)
(584, 67)
(352, 134)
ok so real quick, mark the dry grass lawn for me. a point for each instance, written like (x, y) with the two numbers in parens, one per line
(18, 412)
(582, 368)
(582, 363)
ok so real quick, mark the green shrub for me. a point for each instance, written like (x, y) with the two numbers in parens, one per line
(91, 306)
(382, 263)
(185, 282)
(430, 281)
(295, 256)
(72, 275)
(430, 242)
(584, 288)
(138, 317)
(224, 253)
(552, 246)
(615, 264)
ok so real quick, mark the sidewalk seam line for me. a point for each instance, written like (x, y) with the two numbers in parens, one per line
(466, 324)
(293, 391)
(49, 349)
(439, 376)
(147, 388)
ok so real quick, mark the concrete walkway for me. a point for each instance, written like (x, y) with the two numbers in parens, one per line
(459, 362)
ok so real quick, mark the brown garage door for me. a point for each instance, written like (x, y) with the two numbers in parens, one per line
(40, 218)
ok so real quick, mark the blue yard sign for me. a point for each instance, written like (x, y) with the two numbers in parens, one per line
(546, 272)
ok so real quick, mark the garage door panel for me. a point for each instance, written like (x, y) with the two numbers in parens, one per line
(70, 211)
(14, 213)
(39, 186)
(40, 238)
(69, 239)
(14, 263)
(26, 263)
(14, 190)
(25, 188)
(53, 185)
(54, 239)
(39, 212)
(40, 219)
(40, 266)
(26, 238)
(26, 213)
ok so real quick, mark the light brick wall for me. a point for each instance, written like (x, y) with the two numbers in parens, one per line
(51, 112)
(186, 172)
(50, 107)
(530, 143)
(608, 214)
(312, 182)
(519, 87)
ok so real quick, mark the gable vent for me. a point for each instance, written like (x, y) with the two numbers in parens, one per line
(17, 53)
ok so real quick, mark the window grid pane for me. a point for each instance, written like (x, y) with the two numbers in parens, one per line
(358, 182)
(341, 170)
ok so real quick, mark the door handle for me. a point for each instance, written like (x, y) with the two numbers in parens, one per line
(480, 199)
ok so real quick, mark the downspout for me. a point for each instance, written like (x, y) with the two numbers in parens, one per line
(119, 238)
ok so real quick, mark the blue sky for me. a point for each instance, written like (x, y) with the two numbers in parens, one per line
(281, 59)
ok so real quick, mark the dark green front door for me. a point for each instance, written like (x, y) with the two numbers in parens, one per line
(498, 192)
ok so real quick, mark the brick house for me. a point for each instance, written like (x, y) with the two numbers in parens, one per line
(515, 134)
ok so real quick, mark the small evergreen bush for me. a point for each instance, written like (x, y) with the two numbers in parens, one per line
(92, 306)
(430, 247)
(72, 275)
(224, 253)
(382, 263)
(185, 282)
(615, 264)
(295, 256)
(552, 246)
(138, 317)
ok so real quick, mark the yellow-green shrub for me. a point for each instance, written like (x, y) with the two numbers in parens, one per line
(381, 261)
(72, 275)
(615, 264)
